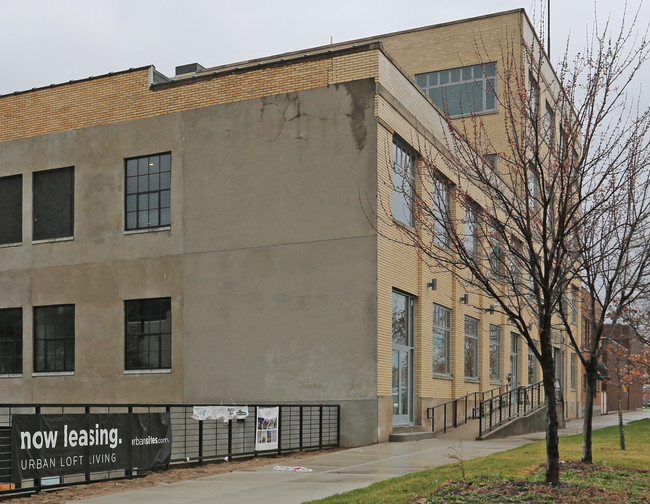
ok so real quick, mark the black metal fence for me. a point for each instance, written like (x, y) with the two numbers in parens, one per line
(301, 427)
(498, 410)
(457, 412)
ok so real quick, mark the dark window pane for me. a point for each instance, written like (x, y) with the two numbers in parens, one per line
(11, 338)
(131, 203)
(131, 185)
(131, 167)
(11, 209)
(165, 198)
(143, 166)
(154, 182)
(165, 162)
(154, 164)
(144, 194)
(54, 336)
(53, 203)
(165, 217)
(147, 342)
(165, 180)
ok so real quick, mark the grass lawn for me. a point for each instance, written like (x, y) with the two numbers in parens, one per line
(517, 475)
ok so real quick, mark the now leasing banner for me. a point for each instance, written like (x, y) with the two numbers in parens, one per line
(55, 445)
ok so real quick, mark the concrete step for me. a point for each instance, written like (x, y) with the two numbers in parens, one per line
(409, 433)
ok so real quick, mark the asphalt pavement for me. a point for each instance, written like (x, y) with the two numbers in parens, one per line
(335, 472)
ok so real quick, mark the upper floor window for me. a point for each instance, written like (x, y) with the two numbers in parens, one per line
(441, 210)
(549, 124)
(441, 340)
(533, 98)
(496, 254)
(471, 229)
(403, 182)
(148, 192)
(471, 347)
(11, 209)
(11, 340)
(495, 352)
(462, 91)
(53, 203)
(54, 338)
(148, 334)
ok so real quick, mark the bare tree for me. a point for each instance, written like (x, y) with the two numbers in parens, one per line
(612, 257)
(518, 221)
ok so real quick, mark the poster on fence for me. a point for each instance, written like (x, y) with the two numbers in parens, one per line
(268, 423)
(56, 445)
(225, 413)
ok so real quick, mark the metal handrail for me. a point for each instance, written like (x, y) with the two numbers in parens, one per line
(498, 410)
(453, 405)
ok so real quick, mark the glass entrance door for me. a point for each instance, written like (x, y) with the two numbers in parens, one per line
(403, 308)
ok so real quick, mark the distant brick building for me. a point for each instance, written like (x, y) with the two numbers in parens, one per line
(624, 344)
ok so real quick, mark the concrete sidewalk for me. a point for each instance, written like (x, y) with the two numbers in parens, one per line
(335, 472)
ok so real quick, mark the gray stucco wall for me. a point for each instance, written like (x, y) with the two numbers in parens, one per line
(269, 261)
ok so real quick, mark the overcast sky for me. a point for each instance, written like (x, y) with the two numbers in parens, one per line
(53, 41)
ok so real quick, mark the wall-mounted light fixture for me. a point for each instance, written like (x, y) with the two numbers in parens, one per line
(433, 284)
(465, 298)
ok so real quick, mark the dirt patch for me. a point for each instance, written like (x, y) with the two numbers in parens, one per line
(570, 491)
(173, 475)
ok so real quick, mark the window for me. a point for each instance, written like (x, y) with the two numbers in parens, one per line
(148, 334)
(53, 203)
(11, 340)
(403, 182)
(573, 305)
(491, 160)
(11, 209)
(516, 264)
(549, 125)
(471, 230)
(532, 367)
(441, 340)
(496, 253)
(574, 371)
(441, 211)
(495, 352)
(53, 338)
(533, 99)
(533, 188)
(471, 347)
(148, 192)
(461, 91)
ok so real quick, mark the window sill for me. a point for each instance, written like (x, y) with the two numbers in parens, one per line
(147, 230)
(469, 379)
(53, 240)
(442, 376)
(11, 375)
(52, 373)
(474, 114)
(9, 245)
(404, 225)
(146, 371)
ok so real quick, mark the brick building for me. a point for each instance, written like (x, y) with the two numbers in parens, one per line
(209, 237)
(622, 345)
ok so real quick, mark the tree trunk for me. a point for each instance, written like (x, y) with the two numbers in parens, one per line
(621, 431)
(552, 438)
(590, 388)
